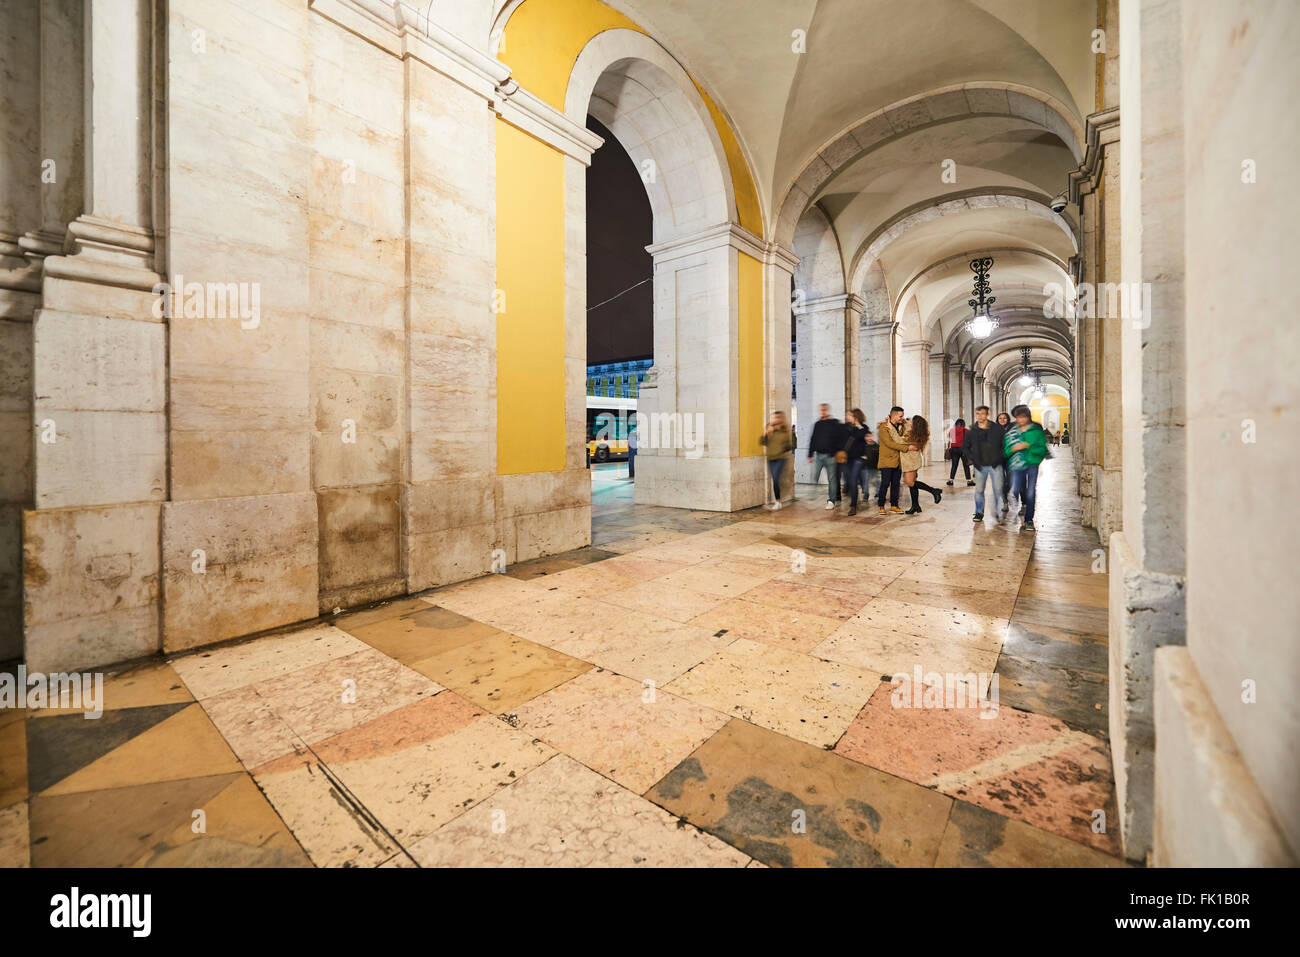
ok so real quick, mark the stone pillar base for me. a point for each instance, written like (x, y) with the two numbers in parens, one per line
(1108, 495)
(543, 513)
(1208, 810)
(1087, 495)
(91, 585)
(1146, 611)
(259, 566)
(709, 484)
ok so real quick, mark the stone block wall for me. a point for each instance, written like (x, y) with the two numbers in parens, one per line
(306, 420)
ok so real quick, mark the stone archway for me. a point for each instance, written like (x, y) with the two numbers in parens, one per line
(704, 395)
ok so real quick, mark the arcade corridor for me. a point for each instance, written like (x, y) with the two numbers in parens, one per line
(318, 318)
(672, 695)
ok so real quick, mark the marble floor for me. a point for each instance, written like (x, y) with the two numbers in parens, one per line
(694, 689)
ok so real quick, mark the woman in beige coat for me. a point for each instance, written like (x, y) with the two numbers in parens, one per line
(916, 436)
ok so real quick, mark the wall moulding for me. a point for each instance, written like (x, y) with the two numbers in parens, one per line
(539, 119)
(1102, 130)
(106, 253)
(406, 33)
(724, 234)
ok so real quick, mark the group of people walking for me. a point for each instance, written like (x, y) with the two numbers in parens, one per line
(1005, 452)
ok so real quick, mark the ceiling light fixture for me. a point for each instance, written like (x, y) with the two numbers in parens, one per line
(1026, 374)
(982, 324)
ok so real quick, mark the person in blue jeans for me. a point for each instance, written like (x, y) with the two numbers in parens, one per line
(1004, 423)
(982, 446)
(861, 443)
(1025, 445)
(779, 444)
(828, 437)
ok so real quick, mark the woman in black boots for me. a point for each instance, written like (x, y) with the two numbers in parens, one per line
(917, 435)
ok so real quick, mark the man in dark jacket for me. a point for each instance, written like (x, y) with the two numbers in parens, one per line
(983, 448)
(828, 437)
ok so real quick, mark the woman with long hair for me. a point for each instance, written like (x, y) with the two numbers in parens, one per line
(861, 462)
(779, 444)
(916, 436)
(1004, 423)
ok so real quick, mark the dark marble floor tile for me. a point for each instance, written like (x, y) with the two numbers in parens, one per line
(979, 838)
(1077, 651)
(791, 804)
(61, 745)
(1076, 697)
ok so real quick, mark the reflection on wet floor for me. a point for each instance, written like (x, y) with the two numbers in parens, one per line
(695, 689)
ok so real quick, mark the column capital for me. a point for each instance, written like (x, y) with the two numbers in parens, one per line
(1101, 130)
(847, 301)
(405, 33)
(777, 255)
(538, 118)
(712, 237)
(867, 327)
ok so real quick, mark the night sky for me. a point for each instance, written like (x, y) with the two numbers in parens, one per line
(619, 227)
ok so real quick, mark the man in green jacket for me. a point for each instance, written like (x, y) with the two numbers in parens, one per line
(1025, 445)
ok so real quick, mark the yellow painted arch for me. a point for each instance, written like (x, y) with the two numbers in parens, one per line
(541, 43)
(543, 40)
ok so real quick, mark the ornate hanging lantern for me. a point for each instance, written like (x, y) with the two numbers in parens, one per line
(982, 323)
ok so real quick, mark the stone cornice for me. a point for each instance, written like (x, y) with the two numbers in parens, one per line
(868, 324)
(106, 253)
(1102, 130)
(778, 255)
(724, 234)
(849, 301)
(538, 118)
(404, 33)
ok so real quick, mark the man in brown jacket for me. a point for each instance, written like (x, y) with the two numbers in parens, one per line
(889, 435)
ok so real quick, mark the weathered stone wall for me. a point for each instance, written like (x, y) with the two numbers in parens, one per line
(307, 419)
(1227, 723)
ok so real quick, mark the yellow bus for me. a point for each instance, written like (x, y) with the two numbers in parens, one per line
(608, 419)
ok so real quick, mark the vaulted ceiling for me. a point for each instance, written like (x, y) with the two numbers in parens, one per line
(924, 132)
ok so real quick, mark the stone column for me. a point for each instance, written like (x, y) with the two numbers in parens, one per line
(1098, 186)
(854, 307)
(20, 194)
(62, 126)
(968, 394)
(100, 376)
(911, 377)
(823, 351)
(1226, 719)
(912, 368)
(1090, 343)
(876, 348)
(697, 345)
(778, 269)
(952, 392)
(1147, 557)
(939, 423)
